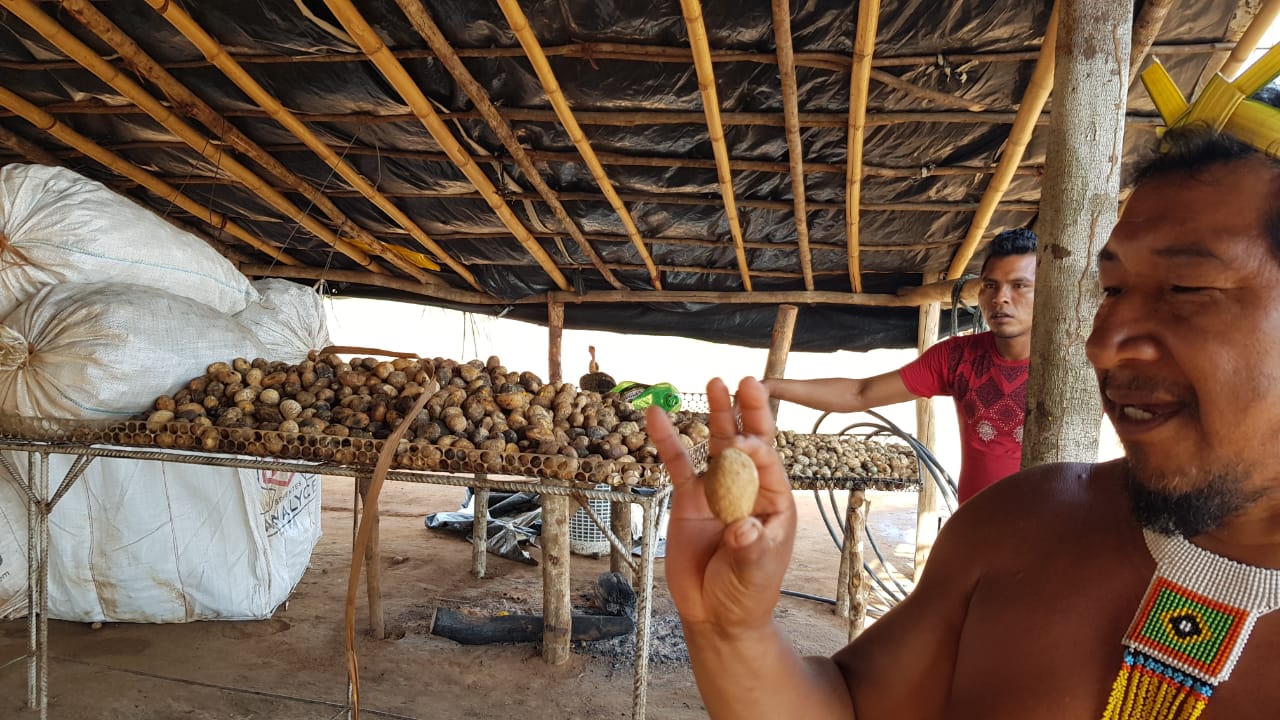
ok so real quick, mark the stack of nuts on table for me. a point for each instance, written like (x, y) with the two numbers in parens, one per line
(493, 419)
(845, 456)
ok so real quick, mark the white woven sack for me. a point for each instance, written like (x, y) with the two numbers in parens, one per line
(61, 227)
(161, 542)
(102, 351)
(287, 318)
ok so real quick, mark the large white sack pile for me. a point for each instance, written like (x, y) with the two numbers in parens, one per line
(98, 351)
(287, 318)
(157, 542)
(103, 307)
(57, 226)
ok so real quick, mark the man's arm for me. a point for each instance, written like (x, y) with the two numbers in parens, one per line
(842, 394)
(726, 582)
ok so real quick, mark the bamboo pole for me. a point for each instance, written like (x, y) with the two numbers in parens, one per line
(835, 62)
(657, 161)
(859, 85)
(551, 86)
(701, 48)
(634, 119)
(234, 72)
(1252, 37)
(1145, 30)
(54, 127)
(143, 65)
(1033, 100)
(795, 148)
(30, 13)
(426, 27)
(370, 42)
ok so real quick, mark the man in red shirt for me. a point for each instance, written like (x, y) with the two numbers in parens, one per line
(986, 373)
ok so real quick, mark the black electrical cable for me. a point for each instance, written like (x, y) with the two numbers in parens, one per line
(926, 464)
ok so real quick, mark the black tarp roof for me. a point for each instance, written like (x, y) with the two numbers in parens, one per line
(606, 57)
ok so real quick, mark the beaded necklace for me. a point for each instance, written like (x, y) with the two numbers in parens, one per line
(1188, 632)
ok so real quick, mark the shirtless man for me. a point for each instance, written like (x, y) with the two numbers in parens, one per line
(1033, 585)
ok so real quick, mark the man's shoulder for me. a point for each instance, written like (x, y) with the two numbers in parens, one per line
(1055, 493)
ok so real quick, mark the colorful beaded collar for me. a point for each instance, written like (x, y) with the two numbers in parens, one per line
(1189, 631)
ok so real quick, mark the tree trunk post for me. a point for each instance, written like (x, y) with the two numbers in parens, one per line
(784, 326)
(1078, 209)
(555, 325)
(557, 601)
(927, 518)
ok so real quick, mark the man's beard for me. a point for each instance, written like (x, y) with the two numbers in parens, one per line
(1218, 495)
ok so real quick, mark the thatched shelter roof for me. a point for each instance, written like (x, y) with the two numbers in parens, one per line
(665, 167)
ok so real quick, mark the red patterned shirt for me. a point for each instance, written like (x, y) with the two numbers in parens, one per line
(991, 396)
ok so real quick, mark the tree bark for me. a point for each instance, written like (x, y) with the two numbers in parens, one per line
(1080, 199)
(927, 515)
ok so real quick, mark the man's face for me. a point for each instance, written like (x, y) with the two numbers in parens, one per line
(1008, 292)
(1186, 341)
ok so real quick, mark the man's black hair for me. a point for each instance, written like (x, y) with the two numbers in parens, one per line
(1192, 149)
(1016, 241)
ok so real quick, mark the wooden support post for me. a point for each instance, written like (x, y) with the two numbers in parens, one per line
(927, 517)
(479, 531)
(620, 524)
(784, 326)
(851, 601)
(555, 324)
(1080, 199)
(557, 607)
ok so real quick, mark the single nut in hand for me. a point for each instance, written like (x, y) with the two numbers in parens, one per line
(731, 484)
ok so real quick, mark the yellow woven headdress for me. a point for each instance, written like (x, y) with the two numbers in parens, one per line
(1224, 105)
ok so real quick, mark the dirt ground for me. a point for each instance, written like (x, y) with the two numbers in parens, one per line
(291, 666)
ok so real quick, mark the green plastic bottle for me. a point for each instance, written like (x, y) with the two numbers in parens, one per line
(642, 396)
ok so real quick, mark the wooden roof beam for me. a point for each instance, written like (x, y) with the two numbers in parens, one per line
(30, 13)
(54, 127)
(217, 55)
(372, 45)
(859, 86)
(29, 151)
(1033, 101)
(791, 116)
(1146, 27)
(711, 107)
(533, 51)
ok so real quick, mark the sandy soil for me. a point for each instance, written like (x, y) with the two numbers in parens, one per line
(291, 665)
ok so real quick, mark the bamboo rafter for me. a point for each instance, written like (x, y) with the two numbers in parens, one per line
(834, 62)
(631, 118)
(234, 72)
(791, 115)
(1251, 39)
(1033, 101)
(654, 161)
(679, 199)
(564, 114)
(47, 123)
(864, 45)
(817, 297)
(701, 47)
(56, 34)
(369, 41)
(427, 28)
(137, 60)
